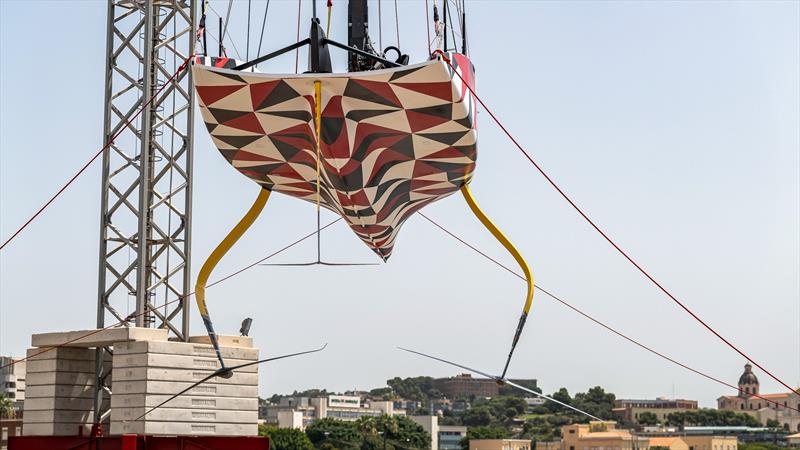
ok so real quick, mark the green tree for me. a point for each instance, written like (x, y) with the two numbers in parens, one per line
(414, 388)
(393, 431)
(596, 401)
(772, 423)
(478, 416)
(6, 406)
(385, 393)
(335, 432)
(648, 419)
(561, 395)
(285, 438)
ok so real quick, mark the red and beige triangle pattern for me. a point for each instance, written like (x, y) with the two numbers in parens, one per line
(391, 141)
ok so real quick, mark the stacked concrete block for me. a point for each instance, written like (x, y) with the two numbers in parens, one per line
(146, 373)
(60, 389)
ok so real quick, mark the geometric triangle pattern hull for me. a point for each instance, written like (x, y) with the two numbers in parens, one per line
(391, 141)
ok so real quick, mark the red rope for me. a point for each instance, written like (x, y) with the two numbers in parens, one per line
(605, 236)
(133, 316)
(105, 147)
(598, 322)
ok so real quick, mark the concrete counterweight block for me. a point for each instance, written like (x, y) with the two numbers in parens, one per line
(147, 373)
(60, 386)
(146, 368)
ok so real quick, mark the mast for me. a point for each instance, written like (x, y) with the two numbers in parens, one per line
(357, 33)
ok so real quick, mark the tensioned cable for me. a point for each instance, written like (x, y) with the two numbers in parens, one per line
(501, 381)
(247, 50)
(428, 26)
(380, 27)
(397, 23)
(597, 321)
(222, 41)
(297, 52)
(105, 147)
(263, 24)
(227, 19)
(148, 310)
(607, 238)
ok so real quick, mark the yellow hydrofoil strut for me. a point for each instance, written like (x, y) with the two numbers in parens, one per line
(208, 267)
(517, 256)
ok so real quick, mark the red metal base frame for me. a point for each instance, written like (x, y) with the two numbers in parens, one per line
(137, 442)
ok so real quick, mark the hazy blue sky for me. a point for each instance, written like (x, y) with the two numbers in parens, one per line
(674, 124)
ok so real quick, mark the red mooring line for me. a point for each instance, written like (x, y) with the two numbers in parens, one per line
(96, 155)
(597, 321)
(604, 235)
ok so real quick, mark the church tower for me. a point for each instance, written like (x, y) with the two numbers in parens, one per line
(748, 383)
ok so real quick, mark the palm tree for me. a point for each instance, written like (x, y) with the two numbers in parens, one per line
(6, 407)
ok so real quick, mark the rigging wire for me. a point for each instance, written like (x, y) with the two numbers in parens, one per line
(148, 310)
(297, 52)
(450, 25)
(397, 23)
(263, 24)
(606, 237)
(380, 27)
(221, 40)
(247, 50)
(122, 127)
(501, 380)
(227, 20)
(589, 317)
(428, 27)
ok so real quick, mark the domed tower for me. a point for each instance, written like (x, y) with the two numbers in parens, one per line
(748, 382)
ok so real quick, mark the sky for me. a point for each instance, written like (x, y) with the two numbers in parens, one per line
(674, 125)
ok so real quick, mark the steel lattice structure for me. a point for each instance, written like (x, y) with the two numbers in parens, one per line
(145, 233)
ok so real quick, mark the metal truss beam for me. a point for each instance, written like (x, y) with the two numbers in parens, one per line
(145, 223)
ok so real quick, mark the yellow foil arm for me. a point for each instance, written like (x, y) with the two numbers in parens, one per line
(216, 256)
(517, 256)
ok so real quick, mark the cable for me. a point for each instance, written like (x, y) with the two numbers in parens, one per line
(247, 50)
(605, 236)
(297, 52)
(222, 41)
(148, 310)
(263, 24)
(380, 27)
(96, 155)
(428, 27)
(586, 315)
(397, 23)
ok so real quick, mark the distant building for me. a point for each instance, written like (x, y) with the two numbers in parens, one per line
(12, 381)
(499, 444)
(605, 435)
(628, 411)
(600, 434)
(298, 412)
(431, 425)
(672, 443)
(450, 436)
(443, 437)
(749, 400)
(465, 386)
(9, 428)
